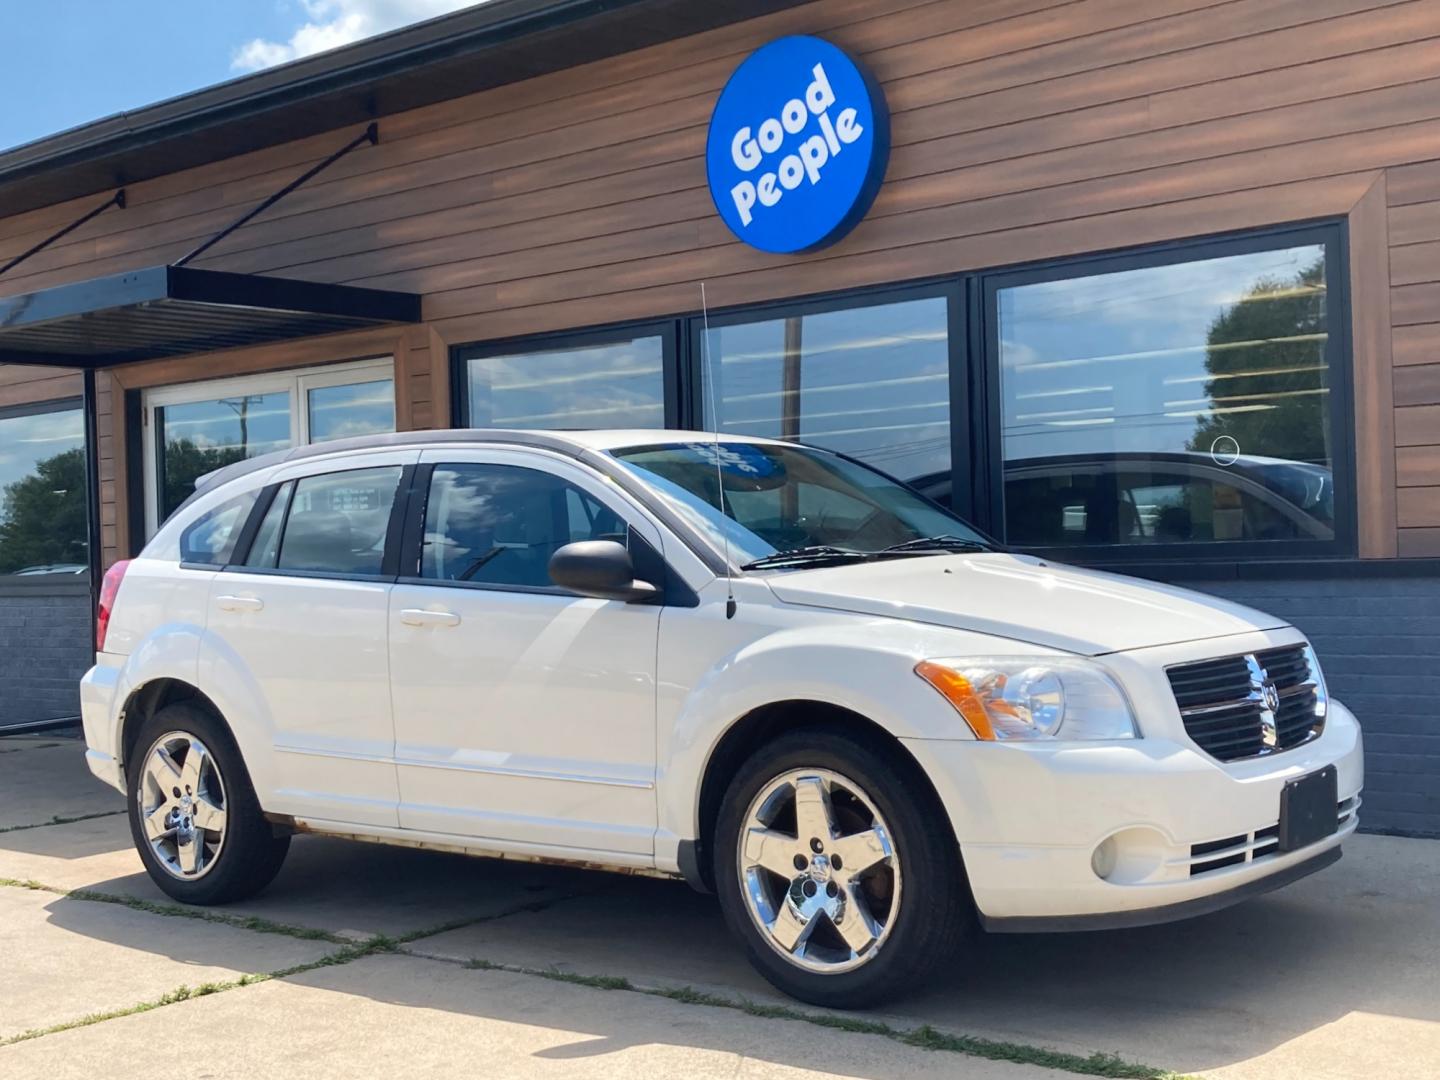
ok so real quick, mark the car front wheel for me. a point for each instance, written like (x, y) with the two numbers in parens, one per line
(837, 870)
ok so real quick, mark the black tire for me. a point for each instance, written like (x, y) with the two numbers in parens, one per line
(250, 855)
(935, 912)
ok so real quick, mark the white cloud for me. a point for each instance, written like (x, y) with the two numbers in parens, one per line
(332, 23)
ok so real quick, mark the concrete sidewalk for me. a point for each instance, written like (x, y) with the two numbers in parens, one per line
(1337, 976)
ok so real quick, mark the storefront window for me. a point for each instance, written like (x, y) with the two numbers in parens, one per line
(1184, 402)
(615, 383)
(201, 427)
(201, 436)
(871, 382)
(347, 410)
(43, 526)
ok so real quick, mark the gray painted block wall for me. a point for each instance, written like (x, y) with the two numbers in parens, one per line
(1378, 640)
(45, 646)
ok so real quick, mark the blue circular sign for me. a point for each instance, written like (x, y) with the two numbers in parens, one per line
(798, 145)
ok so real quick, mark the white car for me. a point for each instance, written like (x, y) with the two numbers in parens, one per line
(834, 704)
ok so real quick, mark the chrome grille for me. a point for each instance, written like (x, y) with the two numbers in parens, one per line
(1251, 704)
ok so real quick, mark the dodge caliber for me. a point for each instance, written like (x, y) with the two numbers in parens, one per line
(763, 668)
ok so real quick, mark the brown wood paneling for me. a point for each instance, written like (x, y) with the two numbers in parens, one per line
(1415, 183)
(21, 385)
(1417, 223)
(352, 192)
(1417, 344)
(1418, 384)
(1417, 425)
(1417, 466)
(1415, 263)
(1419, 507)
(1412, 304)
(1374, 403)
(1419, 543)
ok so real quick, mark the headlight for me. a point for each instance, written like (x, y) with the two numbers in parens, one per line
(1032, 698)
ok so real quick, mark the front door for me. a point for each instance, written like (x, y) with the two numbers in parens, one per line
(309, 615)
(523, 713)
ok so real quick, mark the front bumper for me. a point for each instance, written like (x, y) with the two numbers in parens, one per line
(1030, 817)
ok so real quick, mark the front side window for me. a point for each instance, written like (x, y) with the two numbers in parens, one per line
(43, 527)
(499, 524)
(1181, 402)
(615, 382)
(337, 523)
(869, 381)
(202, 427)
(758, 500)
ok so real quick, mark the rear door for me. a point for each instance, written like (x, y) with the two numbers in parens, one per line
(304, 622)
(523, 713)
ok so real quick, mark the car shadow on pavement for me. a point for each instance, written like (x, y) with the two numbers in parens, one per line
(1190, 996)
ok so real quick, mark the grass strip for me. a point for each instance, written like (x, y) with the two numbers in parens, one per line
(924, 1037)
(58, 820)
(240, 922)
(345, 955)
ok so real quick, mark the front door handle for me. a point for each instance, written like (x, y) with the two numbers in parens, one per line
(421, 617)
(239, 603)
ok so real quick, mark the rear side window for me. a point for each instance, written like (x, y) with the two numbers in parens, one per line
(499, 524)
(210, 539)
(335, 523)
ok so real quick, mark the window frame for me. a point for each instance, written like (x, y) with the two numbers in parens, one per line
(43, 408)
(298, 382)
(667, 330)
(1333, 237)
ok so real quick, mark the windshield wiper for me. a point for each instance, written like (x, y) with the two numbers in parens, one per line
(935, 543)
(815, 553)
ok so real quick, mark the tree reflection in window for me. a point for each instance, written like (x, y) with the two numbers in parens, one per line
(1173, 403)
(43, 526)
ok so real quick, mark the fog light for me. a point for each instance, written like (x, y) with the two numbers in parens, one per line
(1103, 859)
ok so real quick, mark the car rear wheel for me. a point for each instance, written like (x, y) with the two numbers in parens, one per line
(193, 813)
(836, 869)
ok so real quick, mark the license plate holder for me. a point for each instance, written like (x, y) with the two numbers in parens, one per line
(1308, 809)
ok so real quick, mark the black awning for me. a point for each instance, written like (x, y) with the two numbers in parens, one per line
(171, 311)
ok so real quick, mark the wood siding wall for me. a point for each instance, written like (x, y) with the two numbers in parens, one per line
(1023, 129)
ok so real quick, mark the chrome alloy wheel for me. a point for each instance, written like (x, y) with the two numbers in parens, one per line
(820, 875)
(181, 798)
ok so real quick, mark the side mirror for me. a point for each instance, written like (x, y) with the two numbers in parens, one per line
(599, 568)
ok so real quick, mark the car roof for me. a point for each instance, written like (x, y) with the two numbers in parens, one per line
(570, 443)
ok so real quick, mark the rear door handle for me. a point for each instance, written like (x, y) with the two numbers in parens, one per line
(421, 617)
(239, 603)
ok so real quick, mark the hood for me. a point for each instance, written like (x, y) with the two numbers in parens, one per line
(1025, 599)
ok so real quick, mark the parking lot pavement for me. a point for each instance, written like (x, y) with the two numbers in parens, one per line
(1336, 976)
(65, 959)
(31, 793)
(397, 1017)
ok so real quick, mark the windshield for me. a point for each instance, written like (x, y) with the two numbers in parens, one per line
(787, 498)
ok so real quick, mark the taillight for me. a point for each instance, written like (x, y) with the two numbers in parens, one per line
(108, 590)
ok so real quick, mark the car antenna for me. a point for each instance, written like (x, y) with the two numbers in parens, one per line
(715, 427)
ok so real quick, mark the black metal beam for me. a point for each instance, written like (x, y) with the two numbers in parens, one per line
(118, 199)
(370, 135)
(174, 311)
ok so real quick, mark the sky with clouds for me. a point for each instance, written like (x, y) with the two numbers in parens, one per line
(68, 62)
